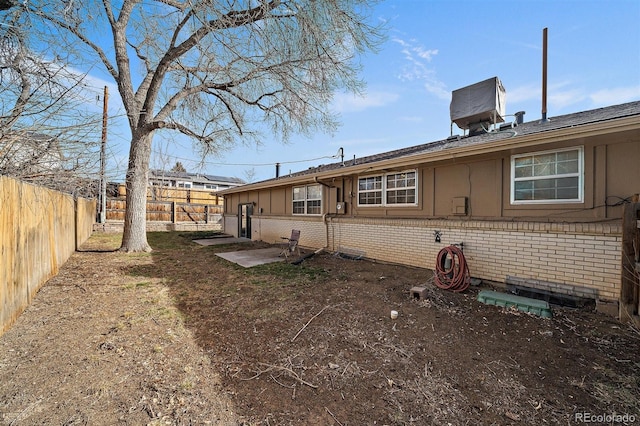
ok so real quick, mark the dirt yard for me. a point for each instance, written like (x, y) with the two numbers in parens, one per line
(180, 336)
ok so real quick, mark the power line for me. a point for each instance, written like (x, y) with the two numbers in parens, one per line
(244, 164)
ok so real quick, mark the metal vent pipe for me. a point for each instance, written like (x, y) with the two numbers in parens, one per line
(544, 75)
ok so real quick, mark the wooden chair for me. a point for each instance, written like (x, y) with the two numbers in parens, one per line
(291, 246)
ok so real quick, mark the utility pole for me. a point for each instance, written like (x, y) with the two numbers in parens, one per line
(103, 160)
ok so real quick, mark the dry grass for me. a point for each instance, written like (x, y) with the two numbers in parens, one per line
(180, 336)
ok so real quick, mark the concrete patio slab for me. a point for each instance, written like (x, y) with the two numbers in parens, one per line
(249, 258)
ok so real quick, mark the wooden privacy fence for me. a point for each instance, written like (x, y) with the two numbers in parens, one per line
(180, 195)
(169, 211)
(630, 288)
(39, 230)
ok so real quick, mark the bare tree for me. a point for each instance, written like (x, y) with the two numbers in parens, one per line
(217, 71)
(46, 135)
(249, 174)
(6, 4)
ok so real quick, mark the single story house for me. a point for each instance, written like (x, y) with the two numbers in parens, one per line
(537, 203)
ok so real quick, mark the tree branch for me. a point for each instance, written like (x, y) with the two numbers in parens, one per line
(232, 19)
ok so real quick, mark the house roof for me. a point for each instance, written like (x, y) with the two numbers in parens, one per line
(563, 127)
(25, 152)
(33, 142)
(195, 177)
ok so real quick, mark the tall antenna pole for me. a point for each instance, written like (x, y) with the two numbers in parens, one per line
(103, 160)
(544, 75)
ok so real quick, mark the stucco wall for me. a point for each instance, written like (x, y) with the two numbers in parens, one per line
(39, 230)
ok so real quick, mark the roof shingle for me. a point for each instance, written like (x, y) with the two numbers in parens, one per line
(527, 128)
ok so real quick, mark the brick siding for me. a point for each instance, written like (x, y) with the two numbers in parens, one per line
(313, 233)
(583, 259)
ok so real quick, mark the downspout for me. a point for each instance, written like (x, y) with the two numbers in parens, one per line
(324, 216)
(326, 229)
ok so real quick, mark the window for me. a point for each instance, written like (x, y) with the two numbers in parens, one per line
(547, 177)
(370, 190)
(184, 184)
(307, 199)
(388, 190)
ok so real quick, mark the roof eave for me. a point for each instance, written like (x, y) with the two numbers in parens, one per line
(530, 140)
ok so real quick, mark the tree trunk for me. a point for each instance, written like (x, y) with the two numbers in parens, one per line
(134, 238)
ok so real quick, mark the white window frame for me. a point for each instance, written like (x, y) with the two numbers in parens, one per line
(305, 200)
(372, 191)
(579, 174)
(384, 191)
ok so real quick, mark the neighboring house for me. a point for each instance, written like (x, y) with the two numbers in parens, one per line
(189, 187)
(39, 159)
(192, 180)
(27, 154)
(185, 187)
(536, 203)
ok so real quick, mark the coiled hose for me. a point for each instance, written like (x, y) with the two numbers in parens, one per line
(455, 276)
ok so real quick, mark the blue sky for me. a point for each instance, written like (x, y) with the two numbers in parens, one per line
(433, 48)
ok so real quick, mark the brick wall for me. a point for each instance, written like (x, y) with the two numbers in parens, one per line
(580, 259)
(583, 259)
(118, 226)
(313, 232)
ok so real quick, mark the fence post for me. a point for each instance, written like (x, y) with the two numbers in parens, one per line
(173, 212)
(76, 219)
(629, 294)
(206, 213)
